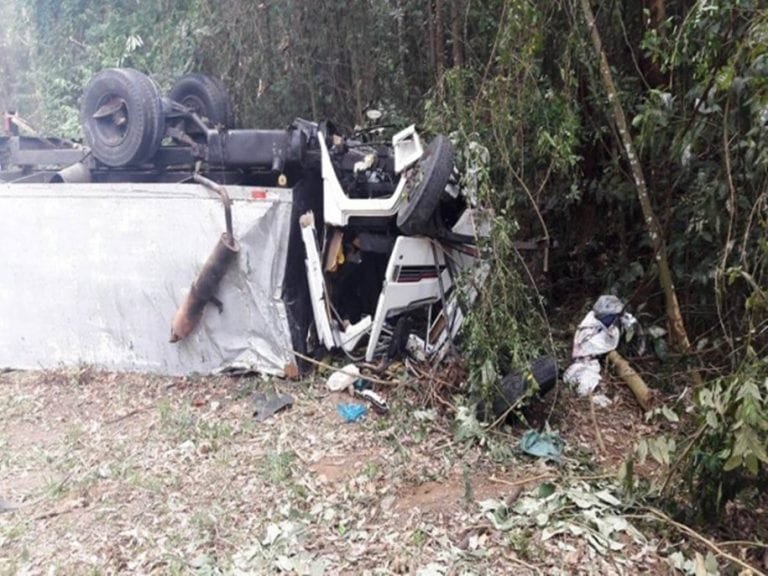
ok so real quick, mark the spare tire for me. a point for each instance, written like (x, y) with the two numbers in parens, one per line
(515, 386)
(424, 187)
(206, 97)
(121, 116)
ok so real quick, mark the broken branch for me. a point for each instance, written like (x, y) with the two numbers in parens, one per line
(638, 386)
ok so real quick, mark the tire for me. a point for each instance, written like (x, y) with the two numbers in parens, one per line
(121, 117)
(206, 97)
(425, 186)
(544, 371)
(152, 94)
(515, 385)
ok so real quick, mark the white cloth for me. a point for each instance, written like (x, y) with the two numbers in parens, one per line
(593, 339)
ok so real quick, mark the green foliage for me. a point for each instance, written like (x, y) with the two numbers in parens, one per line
(507, 103)
(505, 329)
(703, 136)
(731, 450)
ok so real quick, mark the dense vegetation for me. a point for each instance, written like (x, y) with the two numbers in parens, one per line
(517, 85)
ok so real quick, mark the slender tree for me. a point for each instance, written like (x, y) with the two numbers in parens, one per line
(678, 332)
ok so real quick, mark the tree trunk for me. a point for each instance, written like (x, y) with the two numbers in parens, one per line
(439, 50)
(430, 36)
(400, 20)
(678, 333)
(657, 11)
(457, 45)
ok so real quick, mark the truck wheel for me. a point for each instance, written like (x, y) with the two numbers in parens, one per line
(121, 116)
(151, 94)
(206, 97)
(425, 185)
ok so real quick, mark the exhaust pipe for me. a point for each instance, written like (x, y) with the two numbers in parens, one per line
(76, 173)
(204, 287)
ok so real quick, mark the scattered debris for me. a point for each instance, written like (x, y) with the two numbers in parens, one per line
(585, 373)
(598, 333)
(355, 496)
(343, 379)
(351, 412)
(581, 510)
(265, 406)
(364, 390)
(547, 445)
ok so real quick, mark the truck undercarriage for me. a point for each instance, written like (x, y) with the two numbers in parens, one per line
(321, 240)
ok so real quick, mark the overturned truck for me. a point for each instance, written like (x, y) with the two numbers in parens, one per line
(171, 242)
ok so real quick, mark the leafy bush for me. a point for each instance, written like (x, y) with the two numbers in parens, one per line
(730, 450)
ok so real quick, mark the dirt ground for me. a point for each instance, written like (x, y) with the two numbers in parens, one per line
(116, 473)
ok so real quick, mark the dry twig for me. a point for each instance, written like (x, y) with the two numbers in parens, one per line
(704, 540)
(337, 369)
(598, 435)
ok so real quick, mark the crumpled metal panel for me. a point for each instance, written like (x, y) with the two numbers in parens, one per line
(93, 274)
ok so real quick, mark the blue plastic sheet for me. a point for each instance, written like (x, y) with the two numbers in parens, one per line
(351, 412)
(546, 445)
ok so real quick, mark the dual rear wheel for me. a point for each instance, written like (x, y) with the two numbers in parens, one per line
(123, 115)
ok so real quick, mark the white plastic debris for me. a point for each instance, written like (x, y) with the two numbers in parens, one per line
(598, 333)
(601, 400)
(584, 373)
(416, 347)
(343, 379)
(593, 338)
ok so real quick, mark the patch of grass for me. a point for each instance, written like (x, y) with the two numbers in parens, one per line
(248, 387)
(298, 491)
(175, 566)
(176, 422)
(520, 542)
(500, 449)
(418, 537)
(81, 376)
(372, 470)
(10, 532)
(5, 452)
(152, 484)
(213, 430)
(206, 523)
(180, 423)
(73, 436)
(466, 478)
(56, 488)
(277, 467)
(11, 568)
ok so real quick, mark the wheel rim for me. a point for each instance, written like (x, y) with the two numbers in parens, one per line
(111, 119)
(196, 105)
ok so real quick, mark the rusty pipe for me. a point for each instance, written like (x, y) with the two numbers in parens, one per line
(204, 287)
(221, 191)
